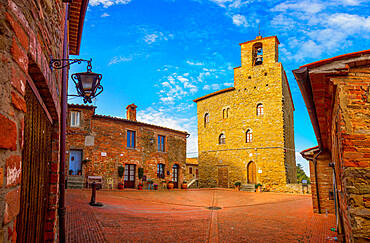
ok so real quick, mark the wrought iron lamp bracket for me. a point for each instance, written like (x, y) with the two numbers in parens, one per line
(59, 63)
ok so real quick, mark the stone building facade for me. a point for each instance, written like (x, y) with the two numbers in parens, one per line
(104, 143)
(30, 113)
(336, 92)
(246, 132)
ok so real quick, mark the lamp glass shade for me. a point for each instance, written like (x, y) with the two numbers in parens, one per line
(88, 83)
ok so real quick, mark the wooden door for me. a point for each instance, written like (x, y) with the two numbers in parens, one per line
(129, 178)
(252, 173)
(175, 176)
(75, 158)
(223, 176)
(36, 156)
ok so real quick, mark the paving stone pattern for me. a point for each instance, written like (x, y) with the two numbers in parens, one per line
(182, 216)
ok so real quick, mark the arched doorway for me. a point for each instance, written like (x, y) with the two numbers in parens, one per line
(175, 175)
(252, 173)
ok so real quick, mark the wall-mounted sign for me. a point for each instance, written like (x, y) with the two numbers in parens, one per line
(260, 171)
(103, 153)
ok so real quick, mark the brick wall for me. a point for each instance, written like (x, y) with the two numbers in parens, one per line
(30, 31)
(351, 150)
(271, 132)
(110, 137)
(325, 181)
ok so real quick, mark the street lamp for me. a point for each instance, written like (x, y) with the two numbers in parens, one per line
(87, 83)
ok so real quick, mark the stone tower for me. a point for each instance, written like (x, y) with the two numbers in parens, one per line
(246, 132)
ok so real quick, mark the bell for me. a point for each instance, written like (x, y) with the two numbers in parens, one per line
(259, 60)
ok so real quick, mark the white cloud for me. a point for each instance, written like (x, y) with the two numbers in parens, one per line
(150, 38)
(221, 3)
(229, 84)
(194, 63)
(107, 3)
(240, 20)
(215, 86)
(349, 23)
(207, 87)
(182, 79)
(104, 15)
(166, 84)
(304, 6)
(167, 100)
(117, 59)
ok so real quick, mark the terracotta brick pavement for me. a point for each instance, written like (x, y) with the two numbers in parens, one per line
(182, 216)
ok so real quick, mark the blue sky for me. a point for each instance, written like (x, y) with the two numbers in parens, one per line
(162, 54)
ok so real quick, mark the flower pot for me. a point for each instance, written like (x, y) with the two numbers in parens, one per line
(259, 189)
(120, 186)
(170, 185)
(237, 188)
(184, 186)
(140, 187)
(155, 187)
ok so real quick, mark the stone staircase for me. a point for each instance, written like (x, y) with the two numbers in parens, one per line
(75, 182)
(193, 183)
(247, 188)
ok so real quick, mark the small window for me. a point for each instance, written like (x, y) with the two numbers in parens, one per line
(221, 139)
(190, 170)
(248, 136)
(206, 119)
(161, 143)
(75, 118)
(259, 110)
(227, 112)
(160, 171)
(223, 113)
(131, 139)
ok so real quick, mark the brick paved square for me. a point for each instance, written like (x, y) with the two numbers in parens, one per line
(182, 216)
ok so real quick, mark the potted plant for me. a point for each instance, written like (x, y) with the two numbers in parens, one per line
(120, 186)
(155, 186)
(121, 169)
(170, 185)
(164, 184)
(258, 187)
(140, 186)
(184, 185)
(70, 172)
(237, 185)
(140, 172)
(79, 172)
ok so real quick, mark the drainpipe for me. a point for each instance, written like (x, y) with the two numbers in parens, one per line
(63, 120)
(316, 180)
(304, 83)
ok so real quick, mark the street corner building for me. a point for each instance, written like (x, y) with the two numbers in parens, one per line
(246, 132)
(30, 113)
(337, 95)
(99, 145)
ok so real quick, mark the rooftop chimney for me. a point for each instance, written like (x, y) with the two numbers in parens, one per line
(131, 112)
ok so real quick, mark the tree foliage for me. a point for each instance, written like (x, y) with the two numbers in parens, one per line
(301, 175)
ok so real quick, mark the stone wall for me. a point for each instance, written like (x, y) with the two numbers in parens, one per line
(351, 150)
(254, 85)
(110, 139)
(30, 31)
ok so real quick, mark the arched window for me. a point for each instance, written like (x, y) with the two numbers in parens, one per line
(259, 109)
(257, 54)
(248, 136)
(223, 113)
(206, 119)
(221, 139)
(227, 112)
